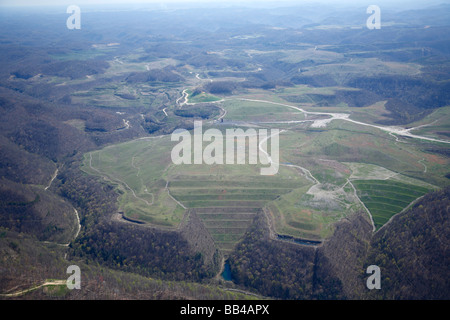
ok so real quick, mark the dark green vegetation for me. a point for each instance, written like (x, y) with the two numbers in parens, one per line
(66, 95)
(205, 111)
(422, 233)
(31, 263)
(29, 209)
(385, 198)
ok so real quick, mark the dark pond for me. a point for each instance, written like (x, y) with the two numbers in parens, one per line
(226, 274)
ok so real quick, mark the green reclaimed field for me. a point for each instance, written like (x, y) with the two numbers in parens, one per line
(242, 110)
(308, 195)
(138, 169)
(201, 98)
(228, 200)
(385, 198)
(155, 191)
(227, 197)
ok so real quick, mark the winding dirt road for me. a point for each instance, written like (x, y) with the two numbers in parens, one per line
(51, 181)
(45, 284)
(346, 117)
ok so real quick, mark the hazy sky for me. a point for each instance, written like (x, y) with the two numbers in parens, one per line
(405, 3)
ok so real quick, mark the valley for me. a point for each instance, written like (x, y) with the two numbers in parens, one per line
(355, 121)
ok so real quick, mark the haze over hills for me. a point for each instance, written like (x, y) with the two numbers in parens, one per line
(86, 139)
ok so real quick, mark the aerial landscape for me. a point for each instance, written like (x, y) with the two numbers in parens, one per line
(182, 150)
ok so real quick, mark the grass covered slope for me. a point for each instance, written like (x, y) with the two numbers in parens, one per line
(154, 190)
(320, 180)
(227, 197)
(385, 198)
(138, 169)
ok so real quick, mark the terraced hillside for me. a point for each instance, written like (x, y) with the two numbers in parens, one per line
(228, 204)
(385, 198)
(227, 225)
(153, 190)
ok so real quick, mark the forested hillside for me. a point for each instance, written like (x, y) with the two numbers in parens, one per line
(411, 251)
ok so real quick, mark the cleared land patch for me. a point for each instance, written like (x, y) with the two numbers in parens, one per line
(304, 199)
(137, 168)
(154, 190)
(201, 97)
(228, 200)
(238, 110)
(385, 198)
